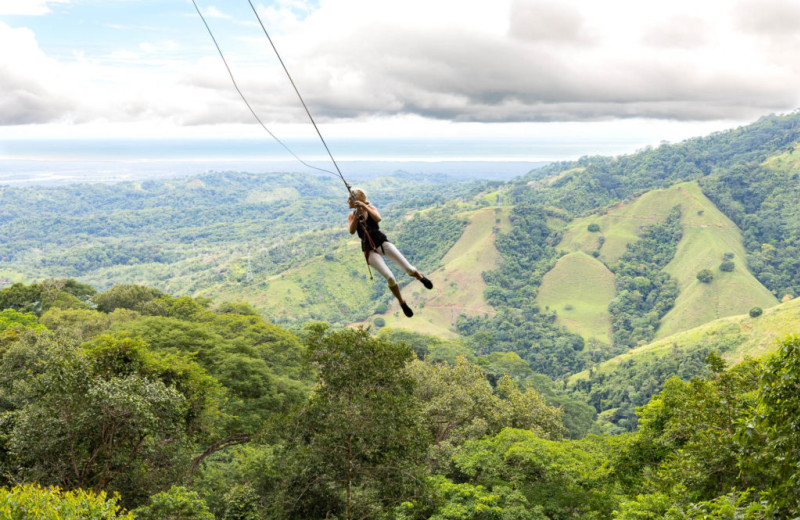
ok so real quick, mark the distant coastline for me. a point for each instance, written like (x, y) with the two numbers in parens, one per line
(25, 162)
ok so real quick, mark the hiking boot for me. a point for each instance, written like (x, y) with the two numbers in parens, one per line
(406, 309)
(427, 283)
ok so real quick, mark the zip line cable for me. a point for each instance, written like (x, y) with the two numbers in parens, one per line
(252, 111)
(297, 92)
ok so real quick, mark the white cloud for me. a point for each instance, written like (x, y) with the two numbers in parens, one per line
(453, 60)
(27, 7)
(213, 12)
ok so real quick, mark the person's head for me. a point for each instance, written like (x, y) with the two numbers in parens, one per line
(359, 194)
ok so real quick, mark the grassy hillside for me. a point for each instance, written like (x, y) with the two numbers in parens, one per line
(458, 285)
(707, 236)
(740, 335)
(330, 286)
(579, 288)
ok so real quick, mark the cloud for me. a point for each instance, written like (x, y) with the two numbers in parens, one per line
(542, 21)
(567, 61)
(453, 60)
(27, 81)
(680, 31)
(769, 17)
(28, 7)
(213, 12)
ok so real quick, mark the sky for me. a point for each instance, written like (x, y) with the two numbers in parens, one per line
(557, 71)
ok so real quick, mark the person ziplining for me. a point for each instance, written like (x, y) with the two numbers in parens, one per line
(376, 246)
(364, 220)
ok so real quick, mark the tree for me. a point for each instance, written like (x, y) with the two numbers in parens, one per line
(178, 503)
(459, 404)
(593, 227)
(727, 266)
(358, 441)
(30, 500)
(755, 312)
(774, 431)
(112, 417)
(127, 296)
(705, 276)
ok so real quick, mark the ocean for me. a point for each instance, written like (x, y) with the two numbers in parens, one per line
(25, 162)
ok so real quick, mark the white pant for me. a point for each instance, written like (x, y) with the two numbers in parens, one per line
(389, 251)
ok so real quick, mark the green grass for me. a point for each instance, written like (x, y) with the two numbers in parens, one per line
(753, 337)
(579, 288)
(316, 289)
(707, 236)
(458, 285)
(621, 224)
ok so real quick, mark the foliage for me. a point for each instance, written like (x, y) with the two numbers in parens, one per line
(645, 293)
(727, 266)
(458, 404)
(567, 479)
(109, 418)
(705, 276)
(426, 238)
(358, 441)
(126, 296)
(762, 199)
(38, 297)
(30, 501)
(178, 503)
(773, 431)
(687, 451)
(634, 381)
(755, 312)
(464, 501)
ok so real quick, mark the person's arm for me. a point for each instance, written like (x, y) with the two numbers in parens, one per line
(352, 222)
(369, 208)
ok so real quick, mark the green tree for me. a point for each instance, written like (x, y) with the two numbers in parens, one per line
(178, 503)
(358, 440)
(111, 417)
(705, 276)
(774, 432)
(127, 296)
(567, 479)
(30, 501)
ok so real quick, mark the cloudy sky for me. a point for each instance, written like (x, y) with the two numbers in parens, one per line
(558, 69)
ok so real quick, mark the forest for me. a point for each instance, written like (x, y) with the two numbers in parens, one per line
(129, 389)
(144, 405)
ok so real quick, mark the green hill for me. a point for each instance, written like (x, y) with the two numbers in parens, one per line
(708, 235)
(735, 336)
(579, 288)
(458, 284)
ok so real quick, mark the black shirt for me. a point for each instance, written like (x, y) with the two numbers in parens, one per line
(373, 232)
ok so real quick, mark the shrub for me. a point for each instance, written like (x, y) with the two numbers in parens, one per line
(25, 501)
(705, 276)
(379, 322)
(381, 308)
(178, 503)
(755, 312)
(726, 266)
(593, 227)
(727, 256)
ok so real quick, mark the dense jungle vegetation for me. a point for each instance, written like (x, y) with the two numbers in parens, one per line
(131, 403)
(129, 400)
